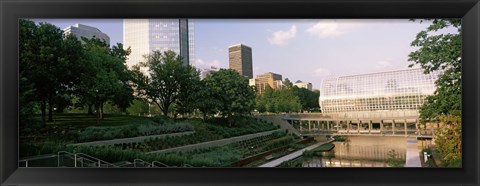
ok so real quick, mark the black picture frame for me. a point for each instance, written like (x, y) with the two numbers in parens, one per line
(11, 11)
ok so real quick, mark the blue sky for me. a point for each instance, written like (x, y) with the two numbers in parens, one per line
(299, 49)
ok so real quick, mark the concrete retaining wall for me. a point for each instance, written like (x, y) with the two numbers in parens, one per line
(216, 142)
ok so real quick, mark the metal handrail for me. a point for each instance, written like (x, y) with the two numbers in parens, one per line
(86, 157)
(141, 162)
(26, 160)
(187, 165)
(157, 162)
(99, 161)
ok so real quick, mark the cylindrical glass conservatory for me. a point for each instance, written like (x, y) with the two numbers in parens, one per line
(383, 91)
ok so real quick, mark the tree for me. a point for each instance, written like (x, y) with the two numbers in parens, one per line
(27, 54)
(190, 92)
(46, 63)
(276, 101)
(207, 101)
(167, 78)
(287, 83)
(448, 141)
(308, 99)
(105, 77)
(123, 99)
(440, 52)
(234, 95)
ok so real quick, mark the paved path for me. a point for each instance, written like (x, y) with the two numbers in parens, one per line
(293, 155)
(131, 140)
(216, 142)
(413, 155)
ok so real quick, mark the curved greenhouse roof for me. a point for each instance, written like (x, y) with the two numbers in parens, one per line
(392, 90)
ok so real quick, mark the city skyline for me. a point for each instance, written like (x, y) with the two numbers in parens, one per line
(299, 49)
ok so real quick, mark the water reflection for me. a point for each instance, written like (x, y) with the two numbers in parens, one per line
(360, 151)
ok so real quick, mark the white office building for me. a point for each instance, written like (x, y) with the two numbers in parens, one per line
(147, 35)
(89, 32)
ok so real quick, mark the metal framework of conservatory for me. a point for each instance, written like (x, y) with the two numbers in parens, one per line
(384, 91)
(384, 103)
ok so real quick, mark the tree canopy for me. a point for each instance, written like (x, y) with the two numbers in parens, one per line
(167, 78)
(440, 52)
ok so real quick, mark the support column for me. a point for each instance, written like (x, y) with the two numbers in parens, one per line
(309, 126)
(416, 127)
(393, 127)
(348, 126)
(358, 127)
(300, 125)
(406, 128)
(370, 127)
(328, 125)
(381, 126)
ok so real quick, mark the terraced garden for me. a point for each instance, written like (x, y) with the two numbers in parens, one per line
(73, 131)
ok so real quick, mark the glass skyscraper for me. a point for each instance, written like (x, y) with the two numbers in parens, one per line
(147, 35)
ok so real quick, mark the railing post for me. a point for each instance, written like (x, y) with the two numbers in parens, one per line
(75, 159)
(99, 163)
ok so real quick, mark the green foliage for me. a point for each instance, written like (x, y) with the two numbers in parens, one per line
(308, 99)
(448, 141)
(393, 160)
(169, 82)
(277, 101)
(233, 94)
(104, 77)
(47, 66)
(107, 133)
(440, 52)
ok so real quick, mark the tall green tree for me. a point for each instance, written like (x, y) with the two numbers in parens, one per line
(28, 49)
(443, 52)
(105, 77)
(46, 60)
(234, 95)
(440, 52)
(167, 78)
(308, 99)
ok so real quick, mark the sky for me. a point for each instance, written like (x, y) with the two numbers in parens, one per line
(309, 50)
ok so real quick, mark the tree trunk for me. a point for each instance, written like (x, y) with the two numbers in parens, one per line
(90, 112)
(101, 112)
(204, 117)
(43, 109)
(50, 109)
(97, 108)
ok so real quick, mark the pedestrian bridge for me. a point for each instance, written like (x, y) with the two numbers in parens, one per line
(314, 125)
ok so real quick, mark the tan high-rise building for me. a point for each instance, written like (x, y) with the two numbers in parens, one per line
(240, 59)
(270, 79)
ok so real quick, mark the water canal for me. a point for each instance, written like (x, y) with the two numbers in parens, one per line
(359, 151)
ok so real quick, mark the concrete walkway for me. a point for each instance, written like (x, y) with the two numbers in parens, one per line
(413, 155)
(293, 155)
(130, 140)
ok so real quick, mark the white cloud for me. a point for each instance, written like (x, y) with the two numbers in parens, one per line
(332, 28)
(199, 63)
(383, 64)
(321, 72)
(281, 37)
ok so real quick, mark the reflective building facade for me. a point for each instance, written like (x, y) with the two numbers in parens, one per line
(147, 35)
(384, 91)
(240, 59)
